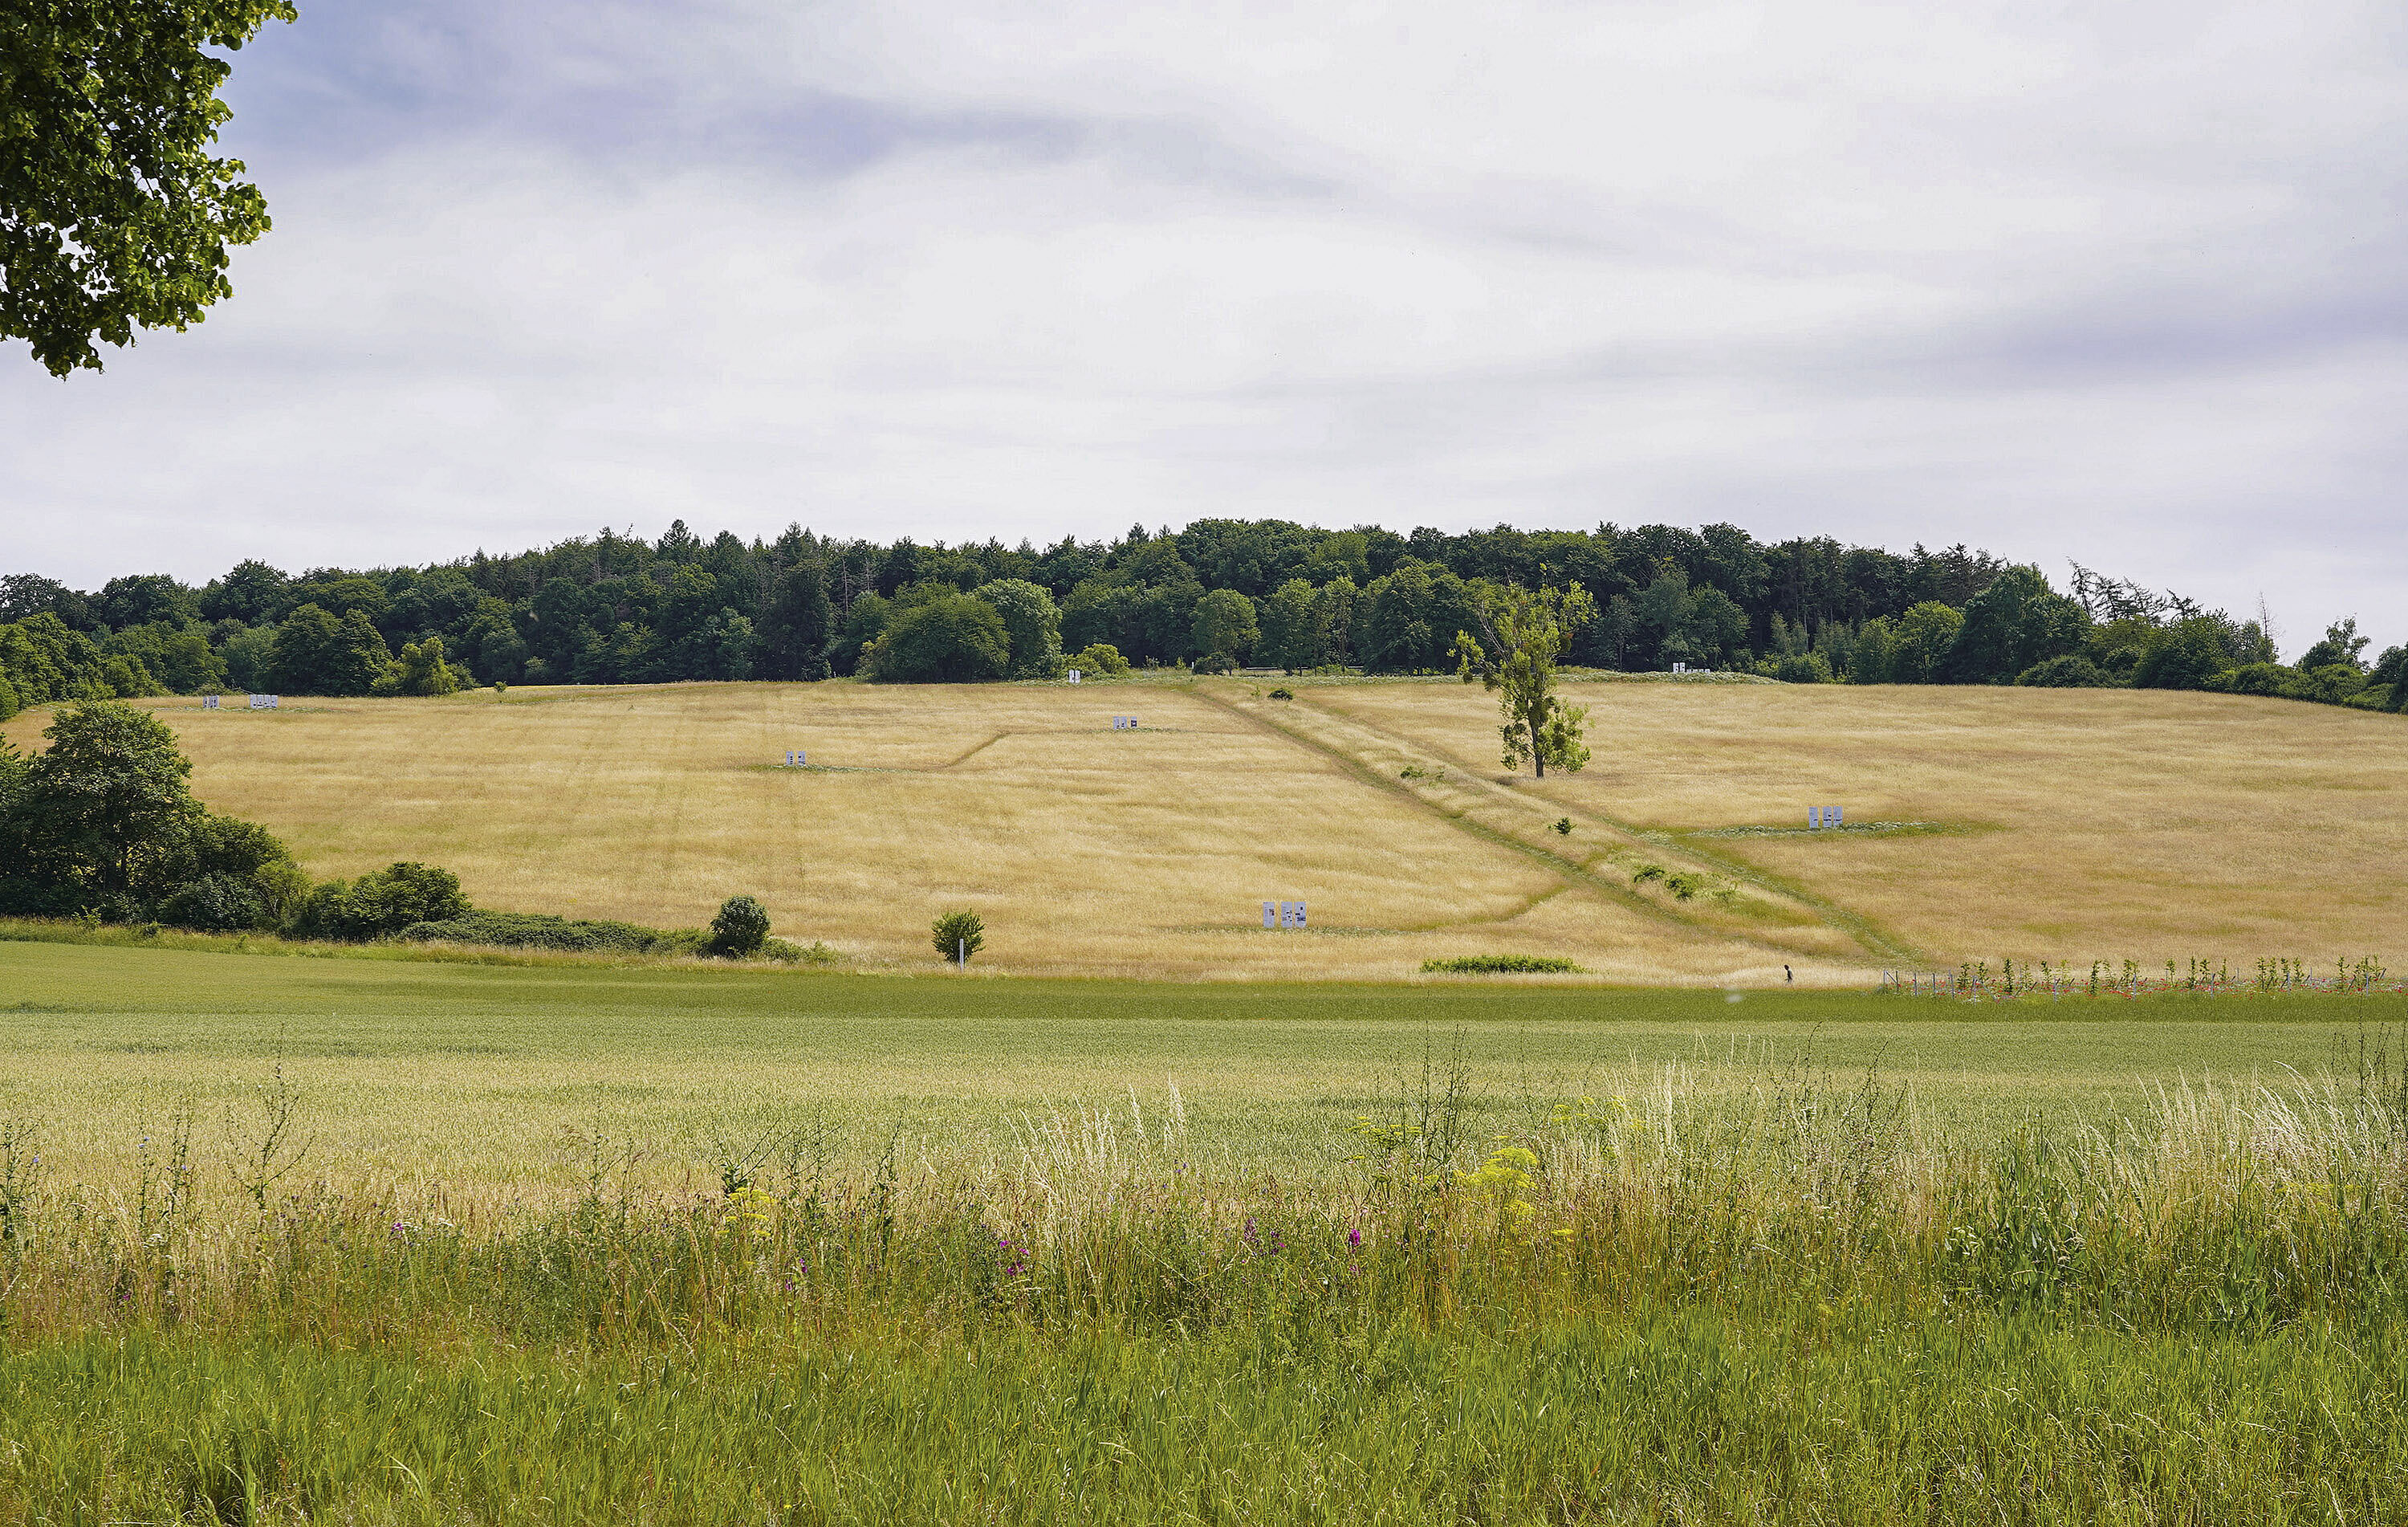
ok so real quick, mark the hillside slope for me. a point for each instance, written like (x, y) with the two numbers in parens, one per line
(2036, 824)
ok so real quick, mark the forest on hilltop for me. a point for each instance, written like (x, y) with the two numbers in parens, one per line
(613, 608)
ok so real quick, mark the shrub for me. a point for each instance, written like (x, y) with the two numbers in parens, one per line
(2329, 683)
(958, 933)
(381, 902)
(740, 928)
(2071, 672)
(1282, 694)
(1804, 667)
(1501, 965)
(217, 903)
(1101, 658)
(420, 670)
(533, 930)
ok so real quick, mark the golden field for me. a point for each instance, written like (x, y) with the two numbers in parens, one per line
(2057, 825)
(2064, 824)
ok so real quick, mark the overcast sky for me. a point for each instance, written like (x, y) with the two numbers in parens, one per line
(2122, 283)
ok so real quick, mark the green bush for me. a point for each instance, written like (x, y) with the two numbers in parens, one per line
(958, 934)
(1501, 965)
(216, 903)
(740, 928)
(1282, 694)
(382, 902)
(535, 930)
(2329, 683)
(1804, 667)
(2071, 672)
(1101, 658)
(420, 670)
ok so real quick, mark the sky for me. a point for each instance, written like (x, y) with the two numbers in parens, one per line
(2121, 283)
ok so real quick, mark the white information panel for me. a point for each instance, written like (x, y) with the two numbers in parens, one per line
(263, 702)
(208, 702)
(1271, 915)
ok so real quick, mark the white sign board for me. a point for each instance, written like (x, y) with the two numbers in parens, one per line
(1291, 913)
(1825, 817)
(1074, 675)
(1271, 915)
(795, 759)
(1300, 915)
(263, 702)
(208, 702)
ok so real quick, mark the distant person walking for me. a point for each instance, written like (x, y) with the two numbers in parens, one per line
(1786, 977)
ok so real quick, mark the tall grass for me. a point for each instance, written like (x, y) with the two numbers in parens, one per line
(1703, 1297)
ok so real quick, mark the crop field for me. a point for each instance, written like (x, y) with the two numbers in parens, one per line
(588, 1243)
(495, 1080)
(1984, 824)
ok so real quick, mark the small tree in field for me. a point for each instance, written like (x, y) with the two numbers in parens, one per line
(958, 934)
(1523, 632)
(741, 928)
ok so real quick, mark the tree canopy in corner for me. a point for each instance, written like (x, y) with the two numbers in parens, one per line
(114, 212)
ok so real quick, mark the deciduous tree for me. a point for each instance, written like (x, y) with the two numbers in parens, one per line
(114, 213)
(1522, 635)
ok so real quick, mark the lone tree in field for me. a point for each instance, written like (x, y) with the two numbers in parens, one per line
(114, 214)
(1522, 634)
(958, 935)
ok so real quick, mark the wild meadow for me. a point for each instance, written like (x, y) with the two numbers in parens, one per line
(1762, 1292)
(340, 1239)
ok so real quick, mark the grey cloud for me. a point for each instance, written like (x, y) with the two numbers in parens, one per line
(2117, 286)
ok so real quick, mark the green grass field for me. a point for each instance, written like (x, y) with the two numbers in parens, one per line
(1045, 1251)
(478, 1076)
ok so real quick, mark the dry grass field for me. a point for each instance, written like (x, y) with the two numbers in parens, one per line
(2062, 825)
(2058, 825)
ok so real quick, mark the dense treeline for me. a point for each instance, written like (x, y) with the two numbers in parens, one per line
(613, 609)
